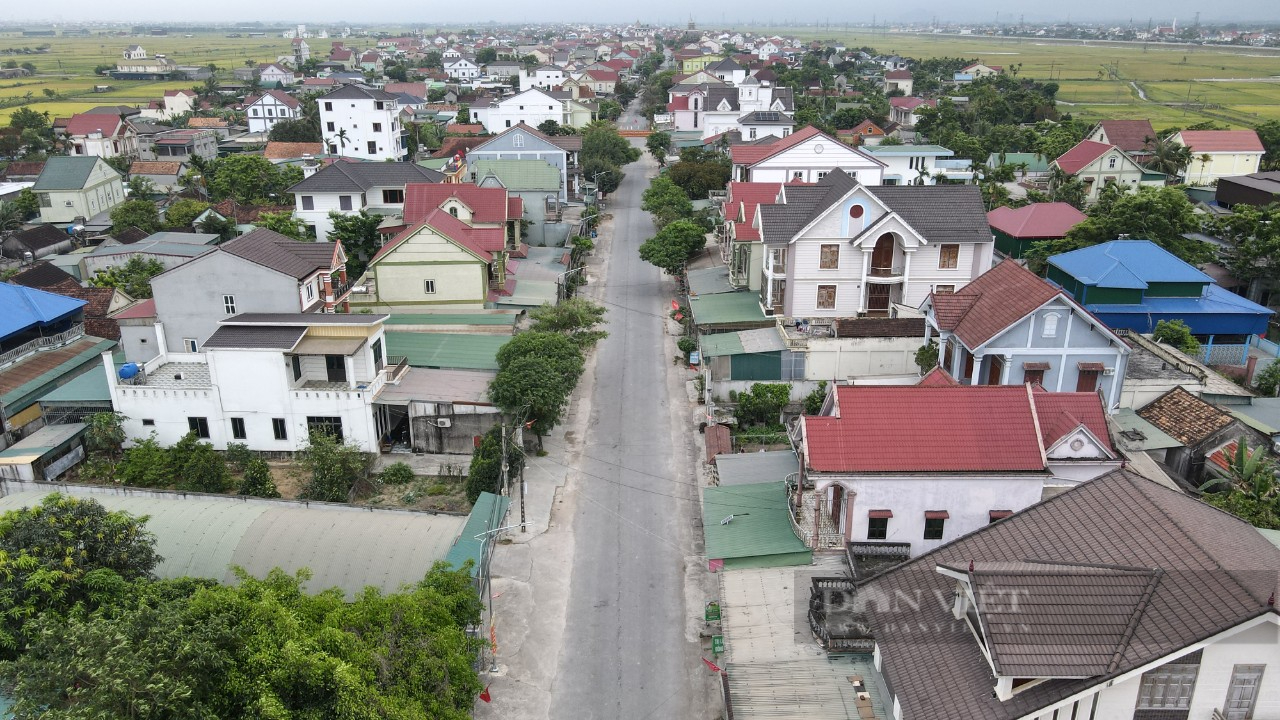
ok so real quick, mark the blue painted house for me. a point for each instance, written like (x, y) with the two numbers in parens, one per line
(523, 142)
(1134, 284)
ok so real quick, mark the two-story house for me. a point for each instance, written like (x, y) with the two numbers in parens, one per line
(357, 121)
(261, 271)
(180, 144)
(898, 80)
(531, 107)
(1135, 284)
(104, 135)
(1216, 154)
(77, 187)
(716, 108)
(906, 110)
(462, 68)
(174, 103)
(348, 188)
(909, 164)
(273, 75)
(924, 464)
(265, 110)
(524, 142)
(806, 155)
(1098, 165)
(267, 380)
(1010, 327)
(841, 249)
(545, 77)
(455, 254)
(1119, 598)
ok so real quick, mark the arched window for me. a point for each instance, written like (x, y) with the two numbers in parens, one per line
(1050, 328)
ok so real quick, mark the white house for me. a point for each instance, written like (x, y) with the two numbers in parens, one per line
(1098, 165)
(462, 69)
(1107, 574)
(531, 107)
(545, 77)
(714, 109)
(767, 48)
(101, 134)
(804, 156)
(1217, 154)
(134, 52)
(908, 463)
(265, 110)
(906, 110)
(909, 164)
(174, 103)
(348, 188)
(361, 122)
(842, 249)
(273, 74)
(264, 380)
(77, 187)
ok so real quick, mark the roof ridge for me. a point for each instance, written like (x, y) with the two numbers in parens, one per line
(1135, 617)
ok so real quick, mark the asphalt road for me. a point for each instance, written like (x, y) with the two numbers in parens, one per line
(628, 652)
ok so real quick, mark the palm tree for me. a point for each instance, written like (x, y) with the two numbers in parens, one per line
(1167, 156)
(11, 217)
(341, 137)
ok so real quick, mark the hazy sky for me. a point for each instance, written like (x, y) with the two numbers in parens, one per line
(654, 11)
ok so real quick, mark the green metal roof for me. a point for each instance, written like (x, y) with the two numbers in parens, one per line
(529, 294)
(29, 392)
(434, 163)
(908, 150)
(486, 514)
(520, 175)
(65, 173)
(760, 524)
(344, 546)
(447, 350)
(708, 281)
(727, 309)
(721, 344)
(1035, 161)
(87, 387)
(453, 319)
(1153, 438)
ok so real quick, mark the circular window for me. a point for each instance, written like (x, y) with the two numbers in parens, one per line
(856, 211)
(818, 148)
(1077, 444)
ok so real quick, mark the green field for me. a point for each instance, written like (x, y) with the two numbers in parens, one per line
(1089, 91)
(67, 68)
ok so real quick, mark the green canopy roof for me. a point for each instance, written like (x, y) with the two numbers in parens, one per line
(447, 350)
(760, 532)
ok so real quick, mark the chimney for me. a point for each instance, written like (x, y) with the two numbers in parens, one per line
(309, 165)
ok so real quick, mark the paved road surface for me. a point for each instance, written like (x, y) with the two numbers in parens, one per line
(630, 651)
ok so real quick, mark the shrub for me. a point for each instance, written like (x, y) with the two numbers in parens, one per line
(257, 480)
(686, 345)
(1267, 382)
(204, 470)
(238, 456)
(146, 464)
(397, 474)
(927, 357)
(1177, 334)
(813, 401)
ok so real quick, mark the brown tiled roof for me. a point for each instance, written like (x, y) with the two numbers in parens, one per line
(40, 237)
(987, 306)
(131, 235)
(1217, 572)
(247, 214)
(41, 275)
(1129, 135)
(32, 367)
(1184, 417)
(96, 310)
(23, 168)
(879, 327)
(283, 254)
(290, 150)
(155, 167)
(205, 122)
(454, 145)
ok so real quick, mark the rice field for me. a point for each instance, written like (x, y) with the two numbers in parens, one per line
(55, 109)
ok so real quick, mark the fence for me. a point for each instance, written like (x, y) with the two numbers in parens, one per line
(1225, 354)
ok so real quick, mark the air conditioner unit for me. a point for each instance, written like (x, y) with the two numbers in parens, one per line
(67, 203)
(444, 423)
(1109, 371)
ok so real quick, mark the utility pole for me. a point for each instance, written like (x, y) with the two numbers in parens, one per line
(505, 489)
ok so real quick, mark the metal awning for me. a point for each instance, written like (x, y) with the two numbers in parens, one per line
(328, 346)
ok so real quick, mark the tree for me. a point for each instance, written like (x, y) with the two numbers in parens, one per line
(666, 201)
(284, 223)
(27, 202)
(62, 552)
(1267, 381)
(1167, 156)
(485, 472)
(257, 480)
(1269, 134)
(659, 145)
(674, 246)
(183, 212)
(105, 434)
(1177, 334)
(558, 349)
(700, 171)
(146, 464)
(336, 469)
(198, 467)
(249, 179)
(1252, 243)
(484, 56)
(577, 318)
(1249, 489)
(218, 225)
(11, 217)
(601, 141)
(359, 237)
(139, 213)
(763, 404)
(550, 128)
(300, 130)
(140, 187)
(606, 175)
(133, 278)
(532, 386)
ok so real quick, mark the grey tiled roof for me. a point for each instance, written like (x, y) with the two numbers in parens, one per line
(360, 176)
(356, 91)
(295, 258)
(304, 319)
(1218, 572)
(780, 223)
(942, 213)
(266, 337)
(716, 93)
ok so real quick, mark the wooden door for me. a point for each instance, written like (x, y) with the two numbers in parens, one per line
(878, 297)
(1087, 381)
(837, 499)
(882, 256)
(995, 370)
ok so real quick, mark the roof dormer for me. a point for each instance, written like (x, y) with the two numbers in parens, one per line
(1028, 617)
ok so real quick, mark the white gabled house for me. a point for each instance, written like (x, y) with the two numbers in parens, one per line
(361, 122)
(265, 110)
(804, 156)
(531, 107)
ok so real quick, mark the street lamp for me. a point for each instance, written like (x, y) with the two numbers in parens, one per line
(485, 542)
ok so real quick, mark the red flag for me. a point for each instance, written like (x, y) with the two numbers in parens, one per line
(485, 695)
(675, 305)
(713, 666)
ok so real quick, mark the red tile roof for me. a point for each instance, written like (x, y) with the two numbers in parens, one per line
(987, 306)
(464, 129)
(1037, 220)
(86, 123)
(1085, 152)
(742, 201)
(680, 102)
(1129, 135)
(143, 309)
(277, 150)
(937, 377)
(1202, 141)
(483, 242)
(488, 205)
(911, 103)
(937, 428)
(752, 154)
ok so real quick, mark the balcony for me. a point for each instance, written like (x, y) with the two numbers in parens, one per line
(886, 274)
(339, 289)
(69, 335)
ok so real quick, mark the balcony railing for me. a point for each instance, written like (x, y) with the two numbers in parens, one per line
(340, 289)
(71, 334)
(397, 366)
(881, 271)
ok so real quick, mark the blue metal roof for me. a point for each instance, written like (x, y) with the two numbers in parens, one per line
(1217, 312)
(1127, 264)
(24, 307)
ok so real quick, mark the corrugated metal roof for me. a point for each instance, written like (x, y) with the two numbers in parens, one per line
(503, 318)
(87, 387)
(25, 307)
(757, 467)
(817, 688)
(520, 175)
(487, 514)
(65, 173)
(709, 281)
(743, 342)
(727, 309)
(760, 527)
(45, 439)
(436, 385)
(447, 350)
(344, 546)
